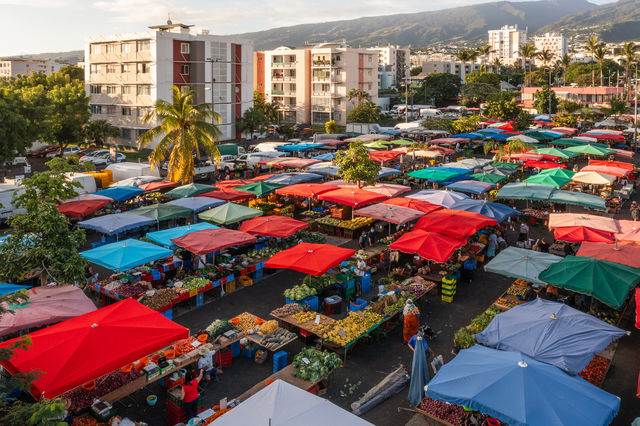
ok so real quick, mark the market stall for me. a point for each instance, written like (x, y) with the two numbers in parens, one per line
(190, 190)
(116, 223)
(84, 205)
(124, 255)
(164, 237)
(446, 199)
(229, 213)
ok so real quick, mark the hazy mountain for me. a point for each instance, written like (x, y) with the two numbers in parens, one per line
(618, 21)
(423, 28)
(71, 57)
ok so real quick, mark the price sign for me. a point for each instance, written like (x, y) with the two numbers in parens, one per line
(341, 333)
(317, 321)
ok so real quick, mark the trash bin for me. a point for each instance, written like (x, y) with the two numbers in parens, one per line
(332, 305)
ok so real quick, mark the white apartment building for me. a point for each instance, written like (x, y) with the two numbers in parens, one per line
(442, 63)
(15, 67)
(555, 43)
(386, 77)
(125, 74)
(397, 58)
(311, 82)
(505, 43)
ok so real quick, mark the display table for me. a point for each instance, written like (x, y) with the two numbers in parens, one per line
(286, 374)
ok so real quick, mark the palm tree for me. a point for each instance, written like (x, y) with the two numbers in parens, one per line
(599, 55)
(629, 52)
(182, 130)
(511, 147)
(473, 56)
(463, 56)
(566, 61)
(545, 56)
(527, 51)
(592, 45)
(484, 51)
(497, 65)
(359, 95)
(98, 131)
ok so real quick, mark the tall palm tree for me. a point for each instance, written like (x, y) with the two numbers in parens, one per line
(511, 147)
(599, 55)
(629, 51)
(497, 65)
(566, 61)
(545, 56)
(484, 51)
(592, 45)
(473, 56)
(527, 51)
(182, 130)
(463, 56)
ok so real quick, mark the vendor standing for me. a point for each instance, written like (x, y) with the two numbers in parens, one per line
(207, 366)
(190, 395)
(411, 320)
(361, 267)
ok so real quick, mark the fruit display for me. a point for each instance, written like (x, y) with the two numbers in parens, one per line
(604, 312)
(129, 290)
(311, 237)
(450, 413)
(595, 371)
(300, 292)
(275, 340)
(287, 310)
(508, 303)
(356, 223)
(219, 327)
(516, 290)
(246, 321)
(302, 317)
(268, 327)
(80, 398)
(160, 298)
(353, 326)
(323, 328)
(313, 365)
(328, 220)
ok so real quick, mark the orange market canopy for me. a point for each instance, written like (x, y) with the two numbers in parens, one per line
(227, 193)
(627, 253)
(307, 190)
(578, 234)
(212, 240)
(308, 258)
(382, 156)
(429, 245)
(454, 223)
(558, 220)
(272, 226)
(389, 213)
(606, 169)
(353, 197)
(84, 348)
(611, 163)
(423, 206)
(388, 189)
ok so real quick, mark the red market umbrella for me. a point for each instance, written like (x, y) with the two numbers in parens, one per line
(261, 177)
(609, 170)
(307, 190)
(314, 259)
(604, 136)
(507, 126)
(353, 197)
(227, 194)
(295, 163)
(388, 189)
(449, 140)
(525, 156)
(157, 186)
(454, 223)
(272, 226)
(629, 230)
(619, 164)
(570, 131)
(84, 348)
(544, 165)
(82, 208)
(423, 206)
(429, 245)
(627, 253)
(233, 182)
(382, 156)
(578, 234)
(212, 240)
(390, 213)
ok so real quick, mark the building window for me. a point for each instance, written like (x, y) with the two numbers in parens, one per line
(112, 69)
(126, 111)
(95, 69)
(125, 48)
(184, 69)
(125, 133)
(185, 89)
(143, 45)
(95, 48)
(126, 68)
(110, 48)
(127, 90)
(143, 68)
(112, 90)
(144, 90)
(96, 88)
(140, 132)
(184, 48)
(96, 109)
(110, 109)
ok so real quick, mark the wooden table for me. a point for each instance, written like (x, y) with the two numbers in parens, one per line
(256, 338)
(286, 374)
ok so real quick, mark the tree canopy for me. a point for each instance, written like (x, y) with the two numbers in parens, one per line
(541, 100)
(355, 166)
(440, 87)
(503, 106)
(490, 78)
(365, 112)
(253, 120)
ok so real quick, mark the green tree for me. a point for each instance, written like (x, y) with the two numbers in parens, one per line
(541, 100)
(271, 110)
(568, 106)
(523, 121)
(288, 130)
(439, 124)
(364, 113)
(98, 131)
(463, 56)
(546, 56)
(473, 94)
(484, 51)
(527, 52)
(565, 119)
(629, 51)
(617, 107)
(467, 124)
(599, 54)
(502, 106)
(507, 149)
(592, 46)
(251, 121)
(184, 128)
(75, 73)
(355, 166)
(441, 87)
(565, 62)
(331, 127)
(14, 127)
(358, 96)
(415, 71)
(497, 65)
(490, 78)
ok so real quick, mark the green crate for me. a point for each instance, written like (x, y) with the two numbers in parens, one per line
(448, 292)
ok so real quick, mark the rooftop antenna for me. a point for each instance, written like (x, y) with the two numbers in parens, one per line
(169, 19)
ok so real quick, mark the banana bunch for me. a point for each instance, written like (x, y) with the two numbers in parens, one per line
(351, 327)
(356, 223)
(302, 317)
(322, 329)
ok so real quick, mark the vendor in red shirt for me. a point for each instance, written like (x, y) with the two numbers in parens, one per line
(190, 396)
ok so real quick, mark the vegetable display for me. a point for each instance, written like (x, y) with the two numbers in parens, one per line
(397, 306)
(318, 283)
(300, 292)
(353, 326)
(80, 398)
(129, 290)
(516, 290)
(268, 327)
(246, 321)
(311, 237)
(451, 413)
(219, 327)
(161, 298)
(595, 371)
(194, 283)
(277, 339)
(287, 310)
(463, 338)
(184, 346)
(313, 365)
(604, 312)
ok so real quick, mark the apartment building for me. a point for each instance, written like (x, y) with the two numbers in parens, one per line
(15, 67)
(555, 43)
(587, 96)
(126, 74)
(505, 43)
(397, 59)
(311, 82)
(442, 63)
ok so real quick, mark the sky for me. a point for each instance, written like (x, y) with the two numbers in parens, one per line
(37, 26)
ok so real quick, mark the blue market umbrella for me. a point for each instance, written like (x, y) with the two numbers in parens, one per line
(550, 332)
(492, 210)
(115, 223)
(127, 254)
(325, 157)
(419, 373)
(120, 193)
(519, 390)
(12, 288)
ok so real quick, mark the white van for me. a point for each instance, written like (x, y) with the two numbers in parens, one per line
(268, 146)
(7, 194)
(430, 113)
(87, 182)
(409, 125)
(253, 158)
(128, 170)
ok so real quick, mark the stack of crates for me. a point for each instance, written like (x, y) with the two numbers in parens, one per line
(176, 413)
(449, 283)
(279, 361)
(366, 282)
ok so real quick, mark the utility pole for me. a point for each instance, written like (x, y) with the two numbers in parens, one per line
(550, 91)
(635, 113)
(406, 96)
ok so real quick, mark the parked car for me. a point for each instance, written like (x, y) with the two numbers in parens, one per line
(102, 158)
(42, 152)
(87, 151)
(68, 151)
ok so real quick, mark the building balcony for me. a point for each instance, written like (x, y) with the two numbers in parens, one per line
(277, 92)
(290, 64)
(289, 107)
(326, 95)
(290, 94)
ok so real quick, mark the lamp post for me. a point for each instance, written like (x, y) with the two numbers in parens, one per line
(635, 113)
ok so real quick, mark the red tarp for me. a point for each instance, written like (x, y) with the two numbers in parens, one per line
(604, 136)
(609, 170)
(331, 142)
(626, 253)
(233, 182)
(429, 245)
(441, 149)
(629, 230)
(314, 259)
(578, 234)
(423, 206)
(261, 177)
(390, 213)
(524, 156)
(388, 189)
(353, 197)
(211, 240)
(82, 208)
(382, 156)
(449, 140)
(570, 131)
(454, 223)
(157, 186)
(544, 165)
(227, 194)
(638, 324)
(89, 346)
(508, 127)
(272, 226)
(619, 164)
(305, 189)
(295, 163)
(47, 305)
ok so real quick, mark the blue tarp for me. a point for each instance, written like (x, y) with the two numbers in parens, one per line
(419, 373)
(127, 254)
(492, 210)
(294, 178)
(387, 171)
(519, 390)
(164, 237)
(300, 147)
(325, 157)
(472, 135)
(490, 130)
(120, 193)
(197, 204)
(390, 132)
(550, 332)
(500, 136)
(324, 169)
(11, 288)
(115, 223)
(470, 188)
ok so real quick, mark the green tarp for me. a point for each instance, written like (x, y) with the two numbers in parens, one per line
(591, 150)
(502, 165)
(160, 212)
(578, 199)
(554, 181)
(608, 282)
(190, 190)
(525, 191)
(556, 152)
(558, 172)
(434, 174)
(229, 213)
(402, 142)
(259, 188)
(376, 145)
(488, 177)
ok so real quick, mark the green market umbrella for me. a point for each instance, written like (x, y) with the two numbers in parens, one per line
(229, 213)
(521, 264)
(562, 153)
(402, 142)
(488, 177)
(190, 190)
(608, 282)
(434, 174)
(525, 191)
(501, 165)
(568, 142)
(591, 150)
(578, 199)
(259, 188)
(555, 181)
(566, 173)
(376, 145)
(160, 212)
(538, 135)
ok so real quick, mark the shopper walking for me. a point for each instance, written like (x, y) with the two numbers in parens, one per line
(411, 320)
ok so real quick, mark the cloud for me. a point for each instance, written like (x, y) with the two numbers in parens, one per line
(37, 3)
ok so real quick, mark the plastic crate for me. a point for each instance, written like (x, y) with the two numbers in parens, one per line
(312, 302)
(447, 299)
(236, 349)
(230, 286)
(224, 359)
(257, 275)
(168, 314)
(245, 280)
(348, 292)
(358, 305)
(251, 353)
(279, 361)
(446, 292)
